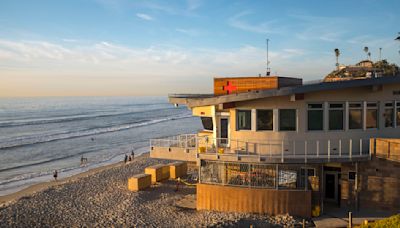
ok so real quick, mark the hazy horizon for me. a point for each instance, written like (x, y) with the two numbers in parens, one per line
(154, 48)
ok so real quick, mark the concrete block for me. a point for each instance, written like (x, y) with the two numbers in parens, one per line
(177, 169)
(158, 172)
(139, 182)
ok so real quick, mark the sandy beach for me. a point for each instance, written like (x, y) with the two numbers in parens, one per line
(100, 197)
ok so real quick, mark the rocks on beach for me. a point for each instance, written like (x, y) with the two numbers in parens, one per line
(102, 199)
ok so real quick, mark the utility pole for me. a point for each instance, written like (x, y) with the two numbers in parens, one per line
(268, 69)
(380, 54)
(398, 39)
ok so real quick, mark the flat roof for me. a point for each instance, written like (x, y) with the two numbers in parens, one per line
(194, 100)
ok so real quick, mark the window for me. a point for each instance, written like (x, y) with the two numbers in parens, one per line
(207, 123)
(287, 119)
(398, 114)
(243, 119)
(315, 117)
(352, 175)
(335, 116)
(310, 173)
(355, 116)
(389, 114)
(265, 120)
(372, 115)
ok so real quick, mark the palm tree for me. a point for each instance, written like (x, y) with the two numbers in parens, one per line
(337, 53)
(369, 55)
(366, 51)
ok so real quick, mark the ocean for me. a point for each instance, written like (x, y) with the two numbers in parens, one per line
(40, 135)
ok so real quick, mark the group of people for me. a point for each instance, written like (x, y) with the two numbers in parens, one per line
(85, 160)
(130, 157)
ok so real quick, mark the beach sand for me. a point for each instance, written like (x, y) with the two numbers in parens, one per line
(99, 197)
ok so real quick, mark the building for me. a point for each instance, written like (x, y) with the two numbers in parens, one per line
(275, 145)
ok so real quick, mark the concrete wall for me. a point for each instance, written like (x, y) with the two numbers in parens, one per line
(174, 153)
(253, 200)
(378, 185)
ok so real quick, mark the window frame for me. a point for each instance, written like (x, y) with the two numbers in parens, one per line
(389, 105)
(355, 175)
(376, 107)
(279, 120)
(237, 119)
(316, 109)
(343, 109)
(359, 108)
(272, 111)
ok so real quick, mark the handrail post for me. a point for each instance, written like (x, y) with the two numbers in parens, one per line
(329, 150)
(371, 146)
(360, 146)
(350, 148)
(317, 148)
(206, 145)
(305, 151)
(340, 148)
(282, 151)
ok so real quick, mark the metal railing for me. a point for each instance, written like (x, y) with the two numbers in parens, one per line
(281, 149)
(256, 175)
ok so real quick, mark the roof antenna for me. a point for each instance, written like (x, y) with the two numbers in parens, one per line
(268, 73)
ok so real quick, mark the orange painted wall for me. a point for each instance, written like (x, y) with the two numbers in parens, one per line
(253, 200)
(246, 84)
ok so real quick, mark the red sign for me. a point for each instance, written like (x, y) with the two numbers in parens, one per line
(229, 87)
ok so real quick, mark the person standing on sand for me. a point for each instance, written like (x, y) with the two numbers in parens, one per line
(126, 159)
(55, 175)
(132, 155)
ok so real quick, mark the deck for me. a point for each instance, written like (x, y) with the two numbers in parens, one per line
(190, 147)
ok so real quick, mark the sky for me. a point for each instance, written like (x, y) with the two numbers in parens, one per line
(134, 48)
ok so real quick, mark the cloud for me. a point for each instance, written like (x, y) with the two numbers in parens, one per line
(189, 32)
(144, 16)
(328, 29)
(237, 21)
(193, 4)
(177, 69)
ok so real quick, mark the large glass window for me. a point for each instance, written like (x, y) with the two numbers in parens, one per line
(355, 116)
(389, 114)
(372, 115)
(398, 114)
(315, 117)
(265, 120)
(336, 116)
(243, 119)
(287, 119)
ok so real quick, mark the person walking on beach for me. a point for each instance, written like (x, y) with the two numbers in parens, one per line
(126, 159)
(55, 175)
(132, 155)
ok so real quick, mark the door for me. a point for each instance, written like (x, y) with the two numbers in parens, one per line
(330, 186)
(224, 126)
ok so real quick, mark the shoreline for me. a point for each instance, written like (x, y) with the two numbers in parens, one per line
(42, 186)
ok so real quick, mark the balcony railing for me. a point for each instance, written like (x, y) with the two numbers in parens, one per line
(273, 149)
